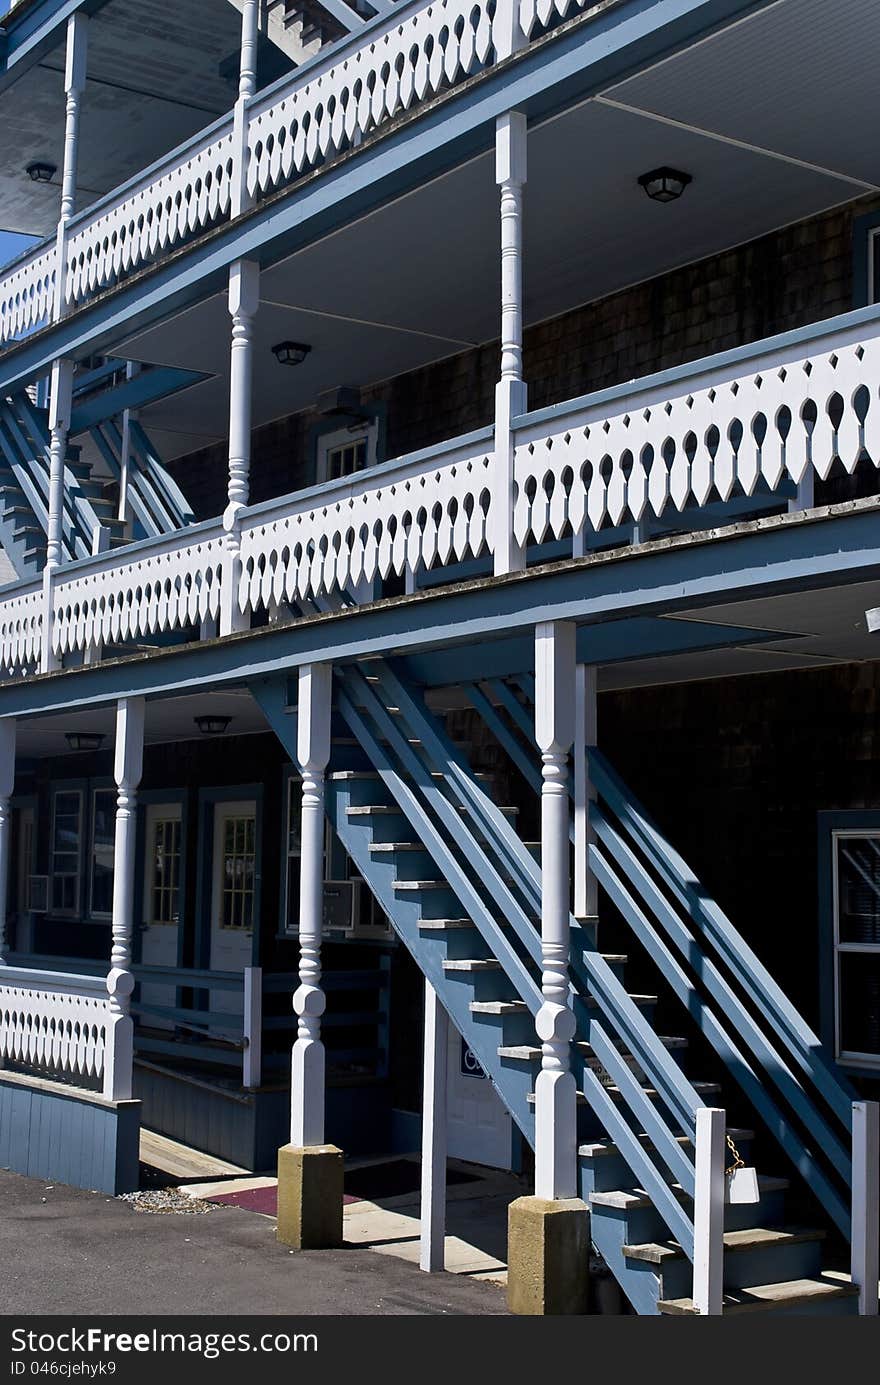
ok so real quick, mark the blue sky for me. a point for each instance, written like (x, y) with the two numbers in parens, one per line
(10, 246)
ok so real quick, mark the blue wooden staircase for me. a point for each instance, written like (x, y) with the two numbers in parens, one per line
(155, 502)
(462, 890)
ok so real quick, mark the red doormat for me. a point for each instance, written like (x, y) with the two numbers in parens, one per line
(370, 1183)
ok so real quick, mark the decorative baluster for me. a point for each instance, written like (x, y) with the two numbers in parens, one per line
(313, 752)
(510, 393)
(7, 783)
(555, 1090)
(127, 770)
(74, 85)
(244, 300)
(310, 1172)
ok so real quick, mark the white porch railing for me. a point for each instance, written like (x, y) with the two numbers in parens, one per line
(402, 58)
(58, 1024)
(784, 410)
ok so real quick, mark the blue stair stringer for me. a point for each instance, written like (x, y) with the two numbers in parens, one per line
(794, 1087)
(24, 489)
(158, 505)
(463, 893)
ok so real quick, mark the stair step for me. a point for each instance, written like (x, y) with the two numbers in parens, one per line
(528, 1052)
(706, 1088)
(599, 1149)
(498, 1007)
(403, 885)
(391, 848)
(765, 1297)
(472, 964)
(441, 925)
(373, 810)
(354, 774)
(630, 1199)
(754, 1238)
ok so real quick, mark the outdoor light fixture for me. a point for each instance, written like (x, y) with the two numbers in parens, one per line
(665, 184)
(39, 172)
(290, 352)
(212, 725)
(84, 740)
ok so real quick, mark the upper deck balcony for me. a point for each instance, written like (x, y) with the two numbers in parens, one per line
(749, 432)
(397, 63)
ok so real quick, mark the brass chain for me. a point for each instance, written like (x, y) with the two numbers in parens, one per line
(738, 1161)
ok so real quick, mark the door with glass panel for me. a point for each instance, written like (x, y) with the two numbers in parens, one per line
(233, 895)
(160, 929)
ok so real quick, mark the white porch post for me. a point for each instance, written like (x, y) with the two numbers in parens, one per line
(555, 1090)
(74, 85)
(313, 754)
(244, 299)
(510, 392)
(586, 906)
(708, 1290)
(7, 783)
(127, 770)
(60, 405)
(433, 1204)
(865, 1264)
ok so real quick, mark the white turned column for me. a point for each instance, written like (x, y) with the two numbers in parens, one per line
(244, 300)
(127, 770)
(865, 1252)
(510, 393)
(74, 85)
(555, 1090)
(586, 902)
(313, 754)
(7, 784)
(60, 405)
(432, 1242)
(708, 1290)
(247, 87)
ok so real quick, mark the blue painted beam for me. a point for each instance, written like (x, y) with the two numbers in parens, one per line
(775, 556)
(144, 388)
(566, 67)
(33, 30)
(644, 637)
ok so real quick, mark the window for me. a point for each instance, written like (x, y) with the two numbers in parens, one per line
(874, 265)
(102, 847)
(163, 867)
(66, 853)
(238, 872)
(856, 888)
(347, 451)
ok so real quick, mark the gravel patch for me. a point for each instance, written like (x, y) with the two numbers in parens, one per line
(164, 1201)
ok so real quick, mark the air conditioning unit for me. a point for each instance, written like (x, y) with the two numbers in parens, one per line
(38, 894)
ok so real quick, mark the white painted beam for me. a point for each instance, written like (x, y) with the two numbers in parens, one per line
(432, 1242)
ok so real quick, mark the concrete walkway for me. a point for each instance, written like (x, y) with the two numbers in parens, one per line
(77, 1253)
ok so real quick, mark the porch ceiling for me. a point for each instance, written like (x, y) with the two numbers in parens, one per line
(168, 719)
(153, 81)
(766, 126)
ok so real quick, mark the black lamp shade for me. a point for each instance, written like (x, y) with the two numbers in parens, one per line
(290, 352)
(665, 184)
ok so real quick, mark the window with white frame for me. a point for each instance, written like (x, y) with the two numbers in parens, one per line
(162, 883)
(348, 450)
(66, 851)
(238, 872)
(856, 880)
(101, 852)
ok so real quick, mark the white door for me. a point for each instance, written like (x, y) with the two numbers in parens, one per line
(479, 1127)
(232, 896)
(161, 907)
